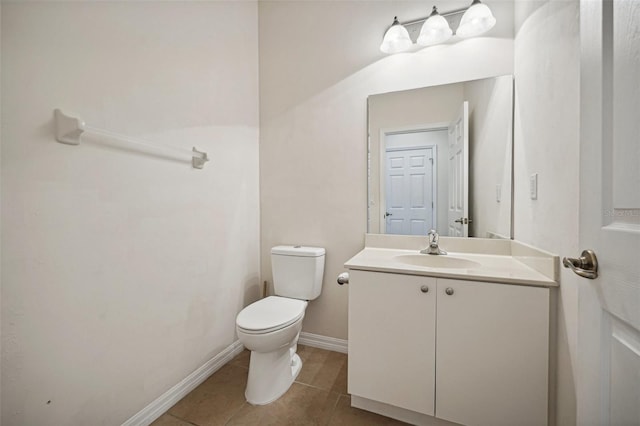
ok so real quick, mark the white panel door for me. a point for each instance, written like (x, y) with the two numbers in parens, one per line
(409, 191)
(608, 379)
(492, 353)
(459, 173)
(392, 326)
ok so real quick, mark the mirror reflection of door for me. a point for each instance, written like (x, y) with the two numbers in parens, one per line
(487, 198)
(458, 173)
(410, 170)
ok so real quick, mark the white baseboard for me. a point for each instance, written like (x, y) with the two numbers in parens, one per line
(151, 412)
(324, 342)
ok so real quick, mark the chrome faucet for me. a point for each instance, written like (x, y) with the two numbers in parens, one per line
(433, 248)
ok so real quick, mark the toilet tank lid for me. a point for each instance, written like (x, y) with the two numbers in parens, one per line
(297, 250)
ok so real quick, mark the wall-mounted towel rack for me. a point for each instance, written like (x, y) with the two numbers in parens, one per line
(70, 128)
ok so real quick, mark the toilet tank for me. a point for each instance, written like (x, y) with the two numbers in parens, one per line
(297, 271)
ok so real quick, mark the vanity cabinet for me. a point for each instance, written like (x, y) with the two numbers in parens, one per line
(392, 330)
(492, 353)
(473, 353)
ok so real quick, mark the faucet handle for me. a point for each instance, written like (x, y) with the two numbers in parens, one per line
(433, 236)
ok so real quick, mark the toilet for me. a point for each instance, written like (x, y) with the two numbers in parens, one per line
(270, 327)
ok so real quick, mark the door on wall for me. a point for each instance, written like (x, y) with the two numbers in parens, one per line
(608, 379)
(458, 208)
(409, 191)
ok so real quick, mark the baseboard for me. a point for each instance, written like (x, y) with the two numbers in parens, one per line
(324, 342)
(151, 412)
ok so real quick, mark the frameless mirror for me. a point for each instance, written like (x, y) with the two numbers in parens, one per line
(440, 158)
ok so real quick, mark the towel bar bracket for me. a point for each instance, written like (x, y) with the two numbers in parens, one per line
(198, 161)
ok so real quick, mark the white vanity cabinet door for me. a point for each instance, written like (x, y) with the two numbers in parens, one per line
(391, 339)
(492, 353)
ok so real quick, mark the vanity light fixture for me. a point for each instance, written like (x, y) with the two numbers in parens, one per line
(476, 19)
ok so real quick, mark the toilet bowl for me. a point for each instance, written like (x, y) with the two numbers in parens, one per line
(270, 327)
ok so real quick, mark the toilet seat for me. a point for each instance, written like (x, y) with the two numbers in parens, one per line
(270, 314)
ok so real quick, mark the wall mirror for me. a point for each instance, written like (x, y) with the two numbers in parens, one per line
(440, 158)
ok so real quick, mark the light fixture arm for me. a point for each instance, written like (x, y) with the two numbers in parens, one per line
(450, 13)
(395, 22)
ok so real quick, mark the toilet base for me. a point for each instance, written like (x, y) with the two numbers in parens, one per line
(271, 374)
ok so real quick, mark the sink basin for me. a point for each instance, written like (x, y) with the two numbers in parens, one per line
(432, 261)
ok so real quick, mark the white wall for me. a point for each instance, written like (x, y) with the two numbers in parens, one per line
(123, 271)
(318, 63)
(546, 141)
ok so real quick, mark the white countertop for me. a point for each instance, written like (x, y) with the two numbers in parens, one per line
(492, 267)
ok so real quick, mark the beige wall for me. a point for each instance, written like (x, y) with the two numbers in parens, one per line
(123, 271)
(547, 75)
(314, 82)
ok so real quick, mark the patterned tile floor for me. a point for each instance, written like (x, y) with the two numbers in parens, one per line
(318, 397)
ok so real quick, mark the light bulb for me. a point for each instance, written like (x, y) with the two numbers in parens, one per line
(477, 20)
(434, 30)
(396, 39)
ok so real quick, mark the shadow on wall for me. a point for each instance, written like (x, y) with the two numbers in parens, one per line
(252, 289)
(524, 11)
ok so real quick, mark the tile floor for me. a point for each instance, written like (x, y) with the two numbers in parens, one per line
(318, 397)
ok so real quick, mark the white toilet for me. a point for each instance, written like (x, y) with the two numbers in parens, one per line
(270, 327)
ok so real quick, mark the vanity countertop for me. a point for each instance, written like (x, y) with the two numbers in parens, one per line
(499, 268)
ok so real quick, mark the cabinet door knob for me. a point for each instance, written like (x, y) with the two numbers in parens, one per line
(449, 291)
(424, 289)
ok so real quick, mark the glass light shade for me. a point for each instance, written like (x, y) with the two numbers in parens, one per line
(477, 20)
(434, 30)
(396, 39)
